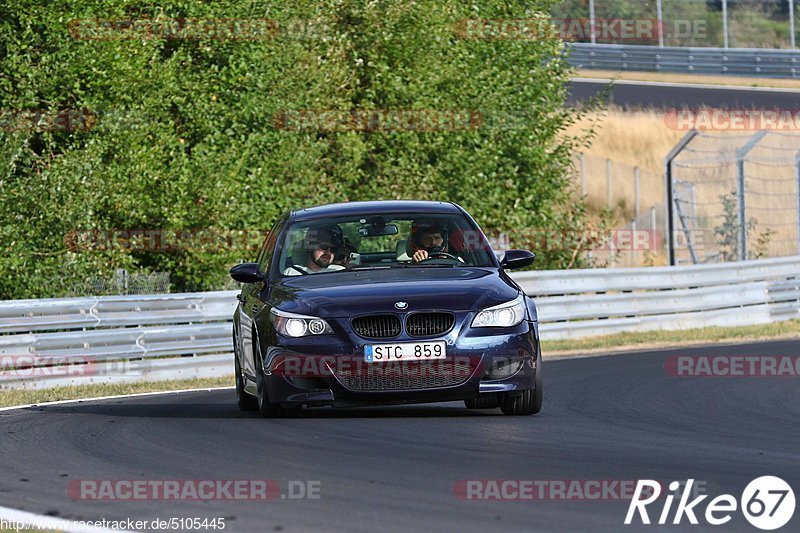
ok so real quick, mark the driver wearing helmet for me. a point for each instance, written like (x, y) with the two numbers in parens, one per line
(429, 239)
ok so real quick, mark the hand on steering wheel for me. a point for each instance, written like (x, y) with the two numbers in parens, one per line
(445, 255)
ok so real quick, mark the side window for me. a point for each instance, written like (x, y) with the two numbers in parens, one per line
(268, 248)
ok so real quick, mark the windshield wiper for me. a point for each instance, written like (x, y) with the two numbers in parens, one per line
(369, 267)
(433, 265)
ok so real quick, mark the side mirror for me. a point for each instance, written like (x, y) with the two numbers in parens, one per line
(247, 273)
(517, 259)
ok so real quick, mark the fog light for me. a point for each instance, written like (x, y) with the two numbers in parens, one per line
(503, 368)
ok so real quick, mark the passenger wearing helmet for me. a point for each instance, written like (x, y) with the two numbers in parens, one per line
(315, 253)
(347, 253)
(429, 239)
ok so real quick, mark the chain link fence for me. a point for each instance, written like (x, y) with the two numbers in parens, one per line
(695, 23)
(635, 196)
(124, 282)
(734, 197)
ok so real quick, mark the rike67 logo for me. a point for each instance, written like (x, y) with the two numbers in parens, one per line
(767, 503)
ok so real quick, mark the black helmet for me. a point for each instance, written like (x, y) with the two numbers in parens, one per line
(420, 227)
(335, 232)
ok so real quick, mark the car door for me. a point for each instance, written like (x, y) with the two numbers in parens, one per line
(251, 303)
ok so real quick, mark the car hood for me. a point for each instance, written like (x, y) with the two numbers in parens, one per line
(345, 294)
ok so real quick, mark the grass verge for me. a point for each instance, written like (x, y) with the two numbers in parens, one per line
(24, 397)
(733, 81)
(667, 339)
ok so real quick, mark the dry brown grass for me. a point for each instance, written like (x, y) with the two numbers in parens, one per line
(637, 138)
(643, 138)
(628, 139)
(734, 81)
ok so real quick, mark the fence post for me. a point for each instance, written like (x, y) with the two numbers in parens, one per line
(798, 202)
(791, 24)
(592, 23)
(670, 219)
(121, 281)
(636, 173)
(725, 23)
(660, 17)
(608, 181)
(653, 232)
(678, 199)
(741, 155)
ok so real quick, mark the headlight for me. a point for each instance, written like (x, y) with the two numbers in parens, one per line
(292, 325)
(501, 316)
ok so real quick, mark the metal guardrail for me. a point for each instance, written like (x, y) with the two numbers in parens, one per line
(579, 303)
(755, 62)
(72, 341)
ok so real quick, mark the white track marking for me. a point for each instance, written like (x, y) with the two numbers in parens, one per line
(40, 522)
(80, 400)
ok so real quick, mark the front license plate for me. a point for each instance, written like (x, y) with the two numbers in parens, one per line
(409, 351)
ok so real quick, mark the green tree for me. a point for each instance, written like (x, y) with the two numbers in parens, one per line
(184, 133)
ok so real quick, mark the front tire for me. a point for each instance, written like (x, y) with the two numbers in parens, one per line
(530, 401)
(245, 401)
(486, 401)
(265, 408)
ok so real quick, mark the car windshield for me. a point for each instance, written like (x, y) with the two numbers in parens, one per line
(382, 242)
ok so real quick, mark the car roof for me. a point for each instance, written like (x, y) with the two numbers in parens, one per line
(374, 208)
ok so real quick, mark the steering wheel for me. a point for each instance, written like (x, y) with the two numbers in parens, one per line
(443, 255)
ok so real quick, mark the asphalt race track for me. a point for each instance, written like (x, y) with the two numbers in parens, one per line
(667, 96)
(394, 468)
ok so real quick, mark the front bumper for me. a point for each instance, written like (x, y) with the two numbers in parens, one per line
(308, 372)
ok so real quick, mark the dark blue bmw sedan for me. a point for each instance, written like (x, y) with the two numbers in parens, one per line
(387, 302)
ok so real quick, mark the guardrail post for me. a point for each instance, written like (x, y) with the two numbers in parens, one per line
(677, 149)
(741, 154)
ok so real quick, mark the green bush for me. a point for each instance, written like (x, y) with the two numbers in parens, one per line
(181, 132)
